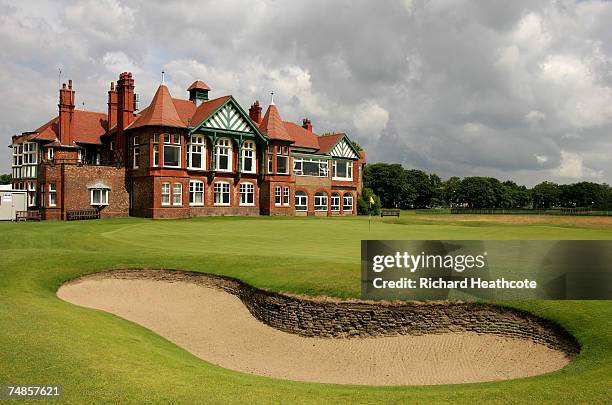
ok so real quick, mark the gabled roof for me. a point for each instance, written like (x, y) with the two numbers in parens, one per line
(273, 126)
(198, 84)
(161, 112)
(326, 142)
(87, 127)
(206, 109)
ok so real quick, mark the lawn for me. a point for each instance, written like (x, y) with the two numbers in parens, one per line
(100, 358)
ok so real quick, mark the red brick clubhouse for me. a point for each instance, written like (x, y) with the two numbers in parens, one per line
(181, 158)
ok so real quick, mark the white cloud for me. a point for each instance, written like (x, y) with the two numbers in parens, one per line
(530, 34)
(370, 119)
(119, 62)
(541, 159)
(572, 167)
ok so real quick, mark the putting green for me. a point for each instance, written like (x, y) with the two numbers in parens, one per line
(99, 357)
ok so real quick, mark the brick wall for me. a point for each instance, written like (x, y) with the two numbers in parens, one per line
(76, 194)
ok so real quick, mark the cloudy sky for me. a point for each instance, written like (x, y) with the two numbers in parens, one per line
(513, 89)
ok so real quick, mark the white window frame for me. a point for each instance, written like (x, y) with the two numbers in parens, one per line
(155, 162)
(298, 167)
(196, 187)
(170, 141)
(278, 196)
(321, 200)
(52, 195)
(177, 194)
(335, 202)
(223, 145)
(166, 193)
(247, 189)
(30, 153)
(286, 196)
(197, 146)
(299, 204)
(282, 152)
(103, 196)
(248, 151)
(222, 188)
(135, 152)
(50, 154)
(346, 197)
(348, 173)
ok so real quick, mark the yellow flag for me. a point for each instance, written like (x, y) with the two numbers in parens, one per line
(372, 200)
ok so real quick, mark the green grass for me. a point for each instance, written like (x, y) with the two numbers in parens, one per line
(100, 358)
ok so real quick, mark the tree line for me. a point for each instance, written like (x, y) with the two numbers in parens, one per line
(397, 187)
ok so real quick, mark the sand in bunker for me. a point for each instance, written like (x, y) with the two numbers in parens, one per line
(217, 327)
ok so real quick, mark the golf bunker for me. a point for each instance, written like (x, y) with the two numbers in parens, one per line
(242, 328)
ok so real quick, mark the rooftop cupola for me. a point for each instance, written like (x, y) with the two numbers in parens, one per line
(198, 92)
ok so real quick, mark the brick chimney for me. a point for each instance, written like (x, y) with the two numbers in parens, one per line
(307, 125)
(255, 112)
(66, 113)
(112, 106)
(125, 114)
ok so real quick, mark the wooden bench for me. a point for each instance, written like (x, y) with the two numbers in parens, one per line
(27, 216)
(76, 215)
(390, 213)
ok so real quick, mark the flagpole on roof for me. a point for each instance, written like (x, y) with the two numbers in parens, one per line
(163, 78)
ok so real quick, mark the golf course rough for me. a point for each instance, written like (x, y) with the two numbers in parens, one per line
(234, 325)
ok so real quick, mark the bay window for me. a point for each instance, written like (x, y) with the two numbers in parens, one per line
(165, 194)
(248, 157)
(196, 153)
(223, 155)
(282, 160)
(155, 150)
(172, 150)
(196, 192)
(342, 170)
(270, 156)
(136, 153)
(222, 193)
(247, 194)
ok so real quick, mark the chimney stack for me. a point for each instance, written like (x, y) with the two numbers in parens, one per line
(255, 112)
(125, 114)
(112, 106)
(66, 113)
(307, 125)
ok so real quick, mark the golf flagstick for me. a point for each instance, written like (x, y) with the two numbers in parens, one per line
(370, 214)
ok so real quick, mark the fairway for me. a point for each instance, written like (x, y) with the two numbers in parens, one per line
(99, 357)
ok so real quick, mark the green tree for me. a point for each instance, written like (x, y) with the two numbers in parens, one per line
(363, 203)
(388, 181)
(450, 191)
(6, 178)
(477, 192)
(545, 195)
